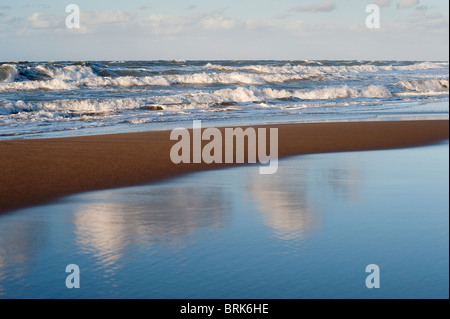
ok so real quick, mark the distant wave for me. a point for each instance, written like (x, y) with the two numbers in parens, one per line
(194, 100)
(328, 69)
(53, 76)
(53, 96)
(71, 79)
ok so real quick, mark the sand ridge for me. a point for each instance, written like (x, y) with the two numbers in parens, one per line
(37, 171)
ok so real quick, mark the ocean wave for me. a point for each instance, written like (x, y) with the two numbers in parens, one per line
(233, 97)
(223, 98)
(67, 73)
(8, 73)
(328, 93)
(64, 76)
(320, 69)
(54, 84)
(422, 66)
(86, 79)
(70, 107)
(426, 85)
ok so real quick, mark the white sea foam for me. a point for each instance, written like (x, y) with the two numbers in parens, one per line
(426, 85)
(422, 66)
(54, 84)
(67, 73)
(60, 83)
(326, 93)
(327, 69)
(77, 76)
(71, 106)
(189, 100)
(8, 73)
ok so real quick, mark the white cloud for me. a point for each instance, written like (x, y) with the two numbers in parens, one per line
(45, 21)
(383, 3)
(48, 21)
(254, 24)
(218, 23)
(163, 24)
(282, 16)
(326, 6)
(422, 8)
(403, 4)
(9, 20)
(36, 5)
(106, 17)
(435, 20)
(295, 26)
(168, 24)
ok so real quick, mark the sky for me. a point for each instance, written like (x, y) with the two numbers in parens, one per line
(224, 30)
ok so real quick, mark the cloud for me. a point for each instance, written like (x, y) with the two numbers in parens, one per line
(259, 25)
(429, 24)
(435, 20)
(282, 16)
(191, 7)
(106, 17)
(326, 6)
(422, 8)
(404, 4)
(5, 7)
(164, 24)
(35, 5)
(45, 21)
(9, 20)
(383, 3)
(218, 23)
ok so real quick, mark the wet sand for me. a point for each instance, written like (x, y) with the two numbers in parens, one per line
(37, 171)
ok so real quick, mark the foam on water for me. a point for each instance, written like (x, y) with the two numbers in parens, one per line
(48, 97)
(8, 73)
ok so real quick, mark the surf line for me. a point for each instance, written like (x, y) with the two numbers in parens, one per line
(212, 152)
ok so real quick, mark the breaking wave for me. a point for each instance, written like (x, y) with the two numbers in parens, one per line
(222, 97)
(8, 73)
(429, 86)
(54, 76)
(55, 96)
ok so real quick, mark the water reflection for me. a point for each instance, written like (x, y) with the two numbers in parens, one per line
(283, 204)
(19, 243)
(344, 176)
(284, 200)
(113, 220)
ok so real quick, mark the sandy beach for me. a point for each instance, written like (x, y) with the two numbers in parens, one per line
(37, 171)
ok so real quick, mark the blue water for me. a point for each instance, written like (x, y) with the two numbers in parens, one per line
(53, 99)
(308, 231)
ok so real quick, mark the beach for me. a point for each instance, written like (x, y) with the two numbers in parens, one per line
(37, 171)
(274, 179)
(308, 231)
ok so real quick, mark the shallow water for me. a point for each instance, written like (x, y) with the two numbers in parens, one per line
(308, 231)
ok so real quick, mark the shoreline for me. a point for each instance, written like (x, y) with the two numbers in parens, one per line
(38, 171)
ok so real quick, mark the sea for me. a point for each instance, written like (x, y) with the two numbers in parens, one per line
(58, 99)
